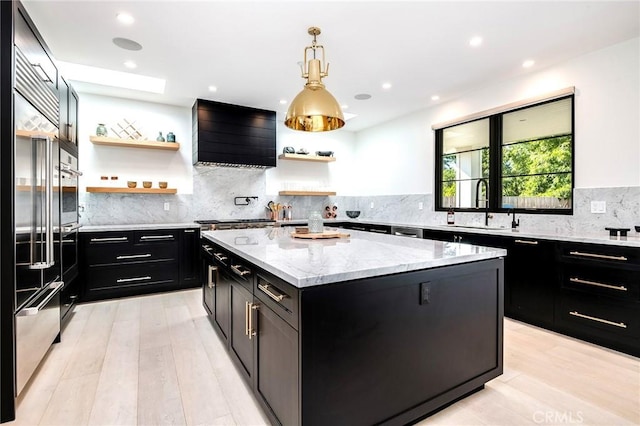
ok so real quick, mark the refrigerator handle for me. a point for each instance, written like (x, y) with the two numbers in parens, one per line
(47, 233)
(49, 202)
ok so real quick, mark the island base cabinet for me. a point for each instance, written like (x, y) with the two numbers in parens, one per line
(386, 350)
(276, 355)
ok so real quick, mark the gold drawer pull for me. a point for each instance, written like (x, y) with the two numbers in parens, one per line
(603, 321)
(533, 243)
(597, 284)
(599, 256)
(266, 288)
(238, 271)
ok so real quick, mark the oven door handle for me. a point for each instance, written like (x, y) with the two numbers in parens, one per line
(69, 228)
(54, 288)
(66, 168)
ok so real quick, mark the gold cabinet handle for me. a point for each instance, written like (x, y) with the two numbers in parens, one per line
(251, 307)
(600, 320)
(246, 318)
(221, 257)
(598, 256)
(238, 271)
(211, 269)
(533, 243)
(597, 284)
(266, 288)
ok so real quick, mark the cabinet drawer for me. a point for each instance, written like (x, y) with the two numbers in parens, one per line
(615, 283)
(159, 236)
(601, 319)
(110, 255)
(278, 295)
(601, 254)
(132, 276)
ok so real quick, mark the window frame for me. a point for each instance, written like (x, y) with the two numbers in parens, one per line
(495, 162)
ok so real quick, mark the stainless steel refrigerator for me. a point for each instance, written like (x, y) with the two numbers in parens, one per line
(36, 210)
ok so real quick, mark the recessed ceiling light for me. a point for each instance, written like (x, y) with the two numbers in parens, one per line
(362, 96)
(475, 41)
(386, 86)
(130, 64)
(283, 101)
(104, 77)
(213, 89)
(127, 44)
(528, 63)
(435, 97)
(125, 18)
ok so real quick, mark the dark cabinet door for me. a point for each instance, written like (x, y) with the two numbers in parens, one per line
(531, 281)
(72, 118)
(241, 335)
(63, 91)
(189, 244)
(209, 275)
(222, 311)
(276, 361)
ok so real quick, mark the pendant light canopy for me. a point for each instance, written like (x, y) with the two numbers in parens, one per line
(314, 109)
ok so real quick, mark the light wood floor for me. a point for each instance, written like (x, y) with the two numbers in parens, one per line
(156, 360)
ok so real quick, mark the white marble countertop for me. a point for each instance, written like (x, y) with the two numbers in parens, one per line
(632, 239)
(137, 226)
(306, 263)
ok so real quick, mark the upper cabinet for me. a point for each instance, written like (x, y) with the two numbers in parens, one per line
(68, 112)
(233, 135)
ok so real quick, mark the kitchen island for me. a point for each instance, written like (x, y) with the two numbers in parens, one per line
(362, 330)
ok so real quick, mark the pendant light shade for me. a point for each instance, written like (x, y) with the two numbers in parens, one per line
(314, 109)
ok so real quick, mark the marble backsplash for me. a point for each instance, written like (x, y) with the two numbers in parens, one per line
(215, 188)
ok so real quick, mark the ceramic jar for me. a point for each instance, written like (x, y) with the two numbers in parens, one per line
(101, 130)
(171, 137)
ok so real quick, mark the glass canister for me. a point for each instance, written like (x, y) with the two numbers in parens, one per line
(316, 225)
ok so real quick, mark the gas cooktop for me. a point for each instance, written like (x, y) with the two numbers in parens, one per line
(213, 224)
(216, 221)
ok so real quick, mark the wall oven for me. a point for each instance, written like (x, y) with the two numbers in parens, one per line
(69, 174)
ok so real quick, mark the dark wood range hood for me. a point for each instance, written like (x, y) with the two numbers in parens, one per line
(232, 135)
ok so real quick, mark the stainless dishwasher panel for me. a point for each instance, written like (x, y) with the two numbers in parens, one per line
(37, 326)
(404, 231)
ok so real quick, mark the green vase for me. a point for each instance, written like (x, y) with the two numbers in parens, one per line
(101, 130)
(160, 138)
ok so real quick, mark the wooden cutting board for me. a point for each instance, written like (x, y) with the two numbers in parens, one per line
(320, 235)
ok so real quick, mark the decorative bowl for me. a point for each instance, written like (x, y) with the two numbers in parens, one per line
(162, 185)
(353, 213)
(324, 153)
(146, 184)
(132, 184)
(637, 228)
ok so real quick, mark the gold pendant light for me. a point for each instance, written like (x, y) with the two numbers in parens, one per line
(314, 109)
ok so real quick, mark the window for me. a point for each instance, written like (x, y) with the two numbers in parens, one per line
(524, 157)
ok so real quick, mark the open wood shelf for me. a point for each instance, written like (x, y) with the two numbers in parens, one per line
(312, 193)
(104, 189)
(303, 157)
(130, 143)
(30, 133)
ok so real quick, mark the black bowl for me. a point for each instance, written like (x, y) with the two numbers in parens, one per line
(353, 213)
(637, 228)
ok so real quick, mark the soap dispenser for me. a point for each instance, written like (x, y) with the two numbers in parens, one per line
(451, 216)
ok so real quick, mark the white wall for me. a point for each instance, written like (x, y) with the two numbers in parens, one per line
(340, 175)
(397, 157)
(133, 163)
